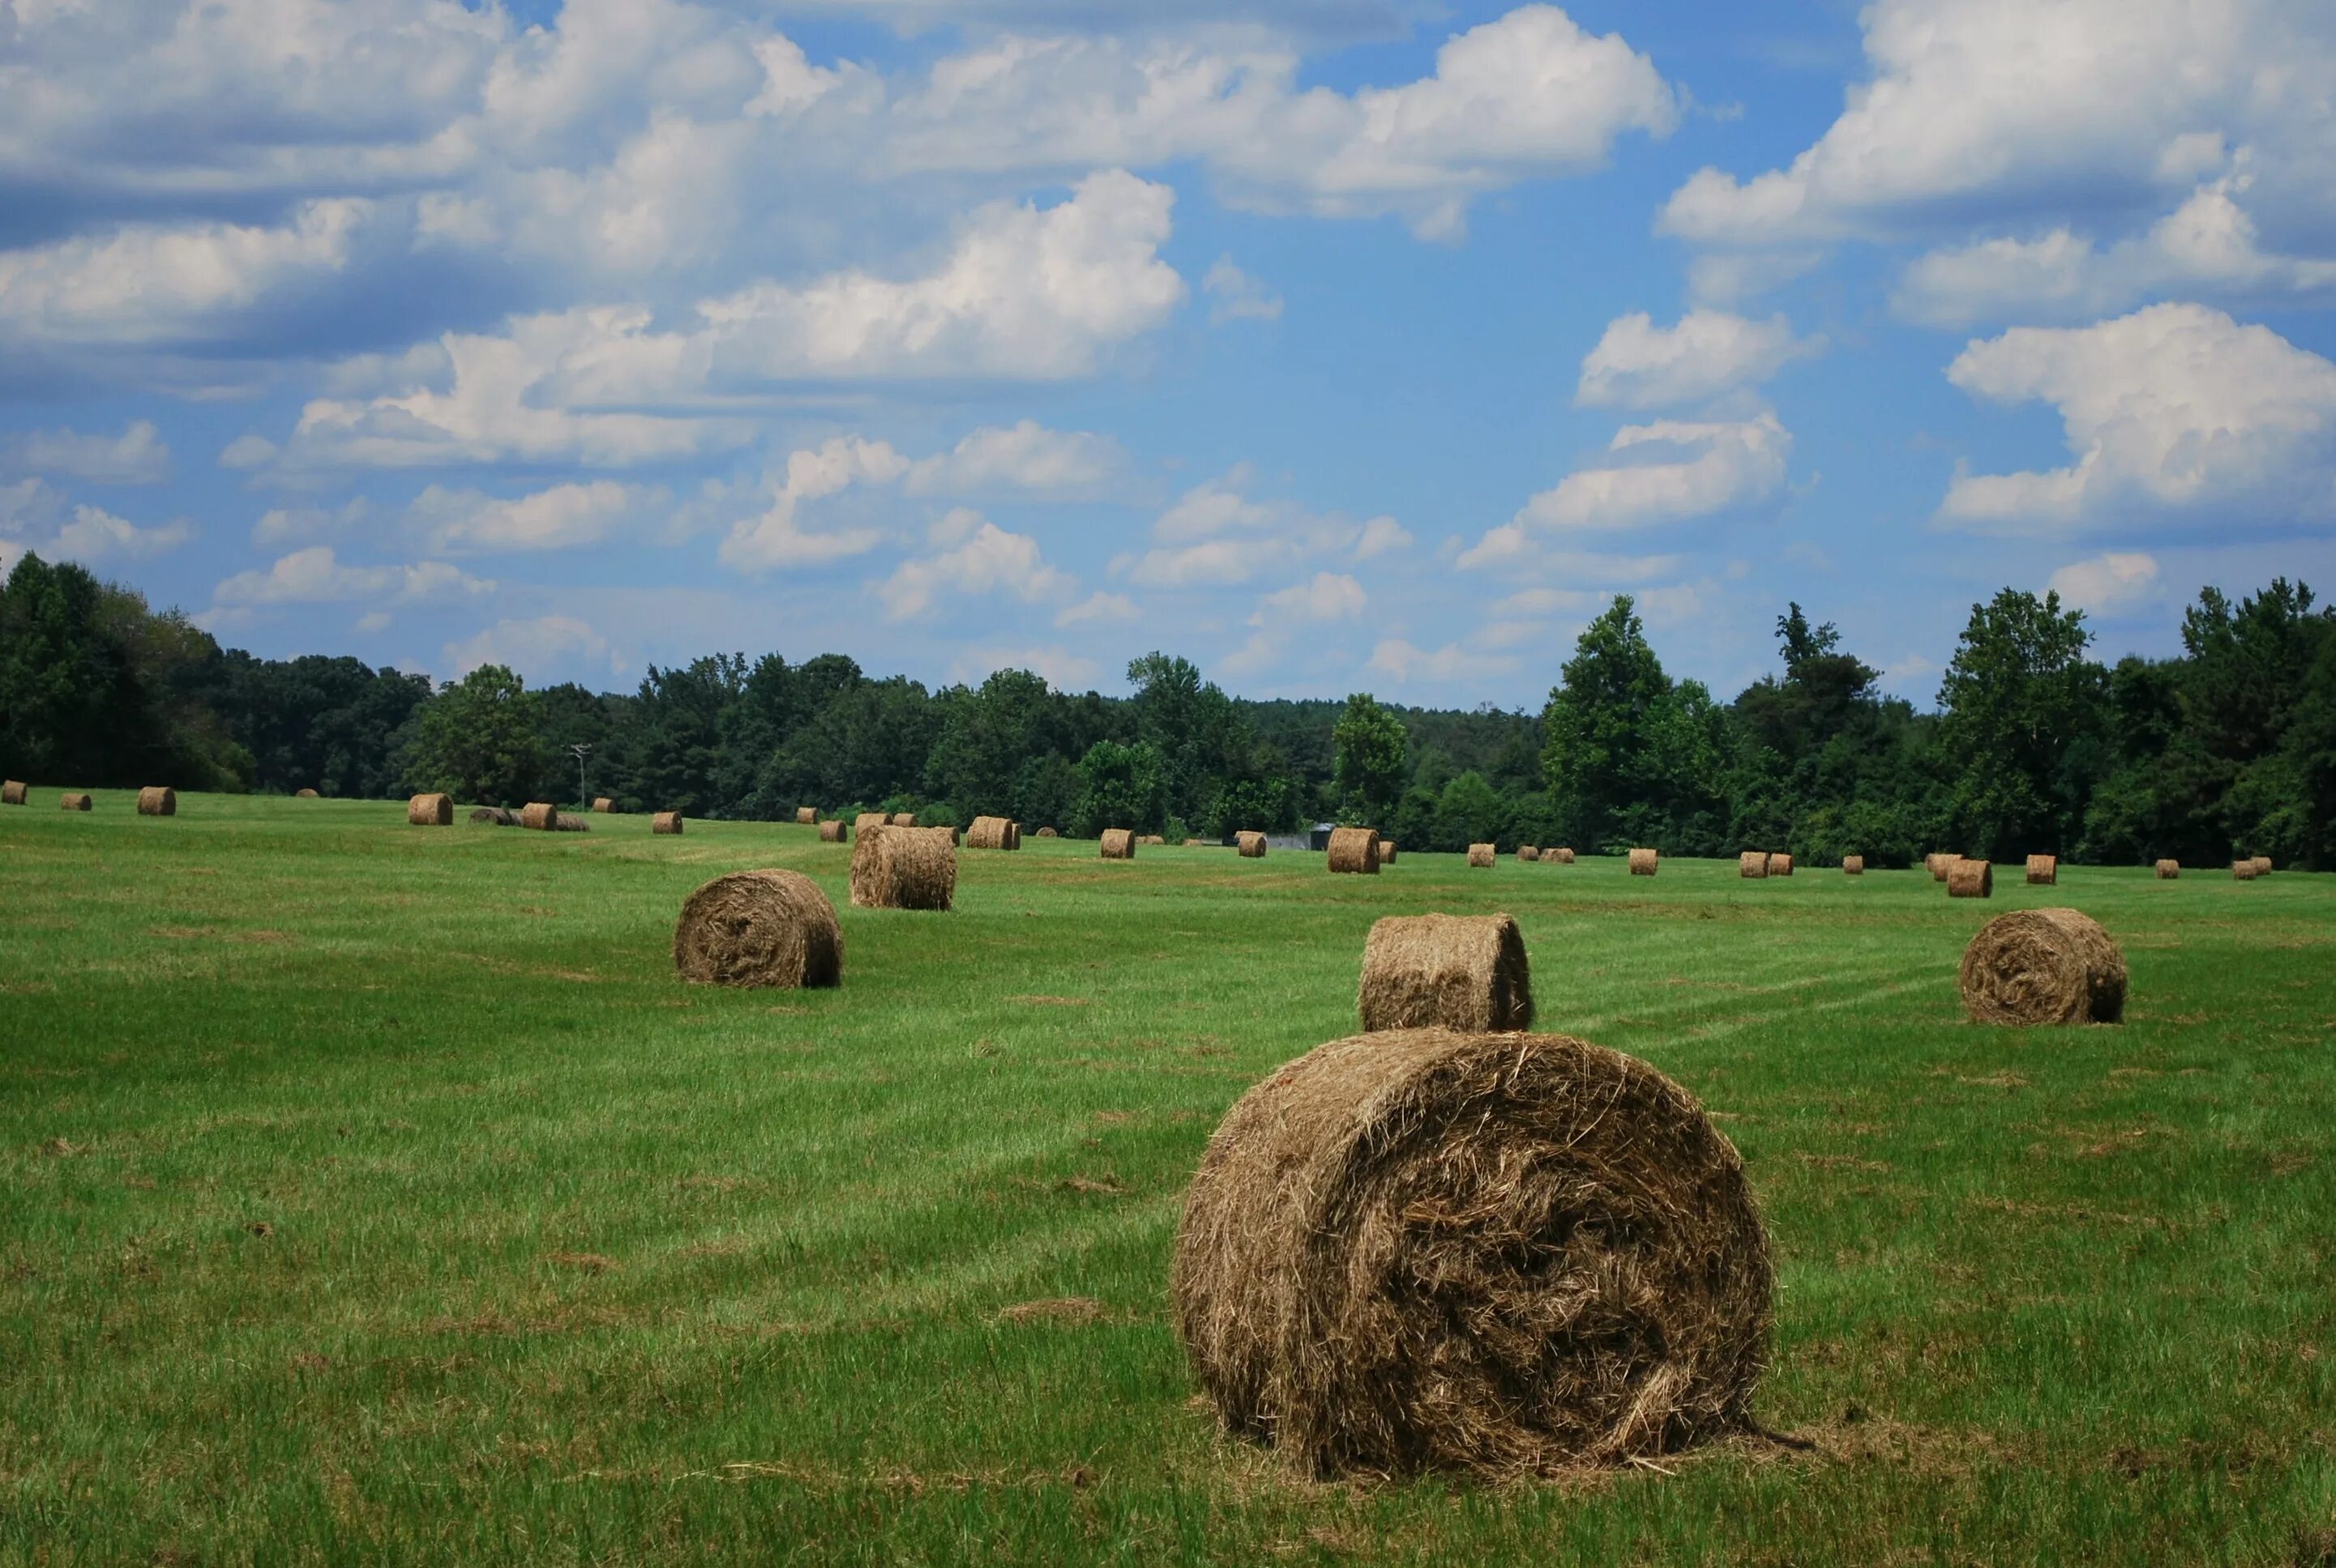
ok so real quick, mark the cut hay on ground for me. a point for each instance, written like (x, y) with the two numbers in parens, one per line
(158, 800)
(1564, 857)
(1752, 865)
(1852, 866)
(1480, 856)
(1529, 853)
(74, 800)
(2261, 864)
(1355, 849)
(1463, 972)
(1507, 1254)
(541, 815)
(807, 816)
(2168, 870)
(1968, 878)
(306, 795)
(837, 831)
(1937, 863)
(2244, 871)
(564, 822)
(1645, 862)
(901, 819)
(904, 868)
(1781, 865)
(990, 833)
(604, 806)
(1045, 833)
(2043, 966)
(12, 792)
(490, 814)
(759, 928)
(867, 819)
(1386, 851)
(433, 811)
(1249, 845)
(2043, 870)
(666, 822)
(1118, 843)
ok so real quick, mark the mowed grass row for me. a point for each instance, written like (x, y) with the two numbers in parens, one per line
(379, 1193)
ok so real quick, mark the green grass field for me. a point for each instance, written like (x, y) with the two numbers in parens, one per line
(377, 1193)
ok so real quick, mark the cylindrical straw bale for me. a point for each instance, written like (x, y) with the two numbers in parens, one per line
(867, 819)
(807, 816)
(1508, 1253)
(564, 822)
(1118, 843)
(2043, 870)
(1480, 856)
(495, 814)
(1196, 843)
(1386, 851)
(2043, 966)
(12, 792)
(759, 928)
(2244, 871)
(1644, 862)
(1936, 864)
(2169, 870)
(901, 819)
(2263, 865)
(665, 822)
(1969, 878)
(1781, 865)
(1152, 841)
(836, 831)
(74, 800)
(1752, 865)
(432, 811)
(904, 868)
(158, 800)
(1564, 857)
(987, 833)
(1251, 846)
(1445, 971)
(1044, 833)
(1853, 864)
(604, 805)
(1355, 849)
(539, 814)
(1529, 853)
(306, 795)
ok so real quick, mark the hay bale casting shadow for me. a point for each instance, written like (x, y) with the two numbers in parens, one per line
(1852, 866)
(1781, 865)
(436, 811)
(1645, 862)
(835, 832)
(904, 868)
(1118, 843)
(759, 928)
(2169, 870)
(14, 791)
(605, 806)
(158, 800)
(2244, 871)
(1355, 849)
(496, 815)
(2043, 966)
(665, 822)
(1938, 863)
(990, 833)
(2043, 870)
(808, 815)
(1249, 845)
(540, 815)
(1463, 972)
(1752, 865)
(1386, 851)
(1968, 878)
(1501, 1253)
(73, 801)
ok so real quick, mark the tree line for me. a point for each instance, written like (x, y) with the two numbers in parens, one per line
(2036, 747)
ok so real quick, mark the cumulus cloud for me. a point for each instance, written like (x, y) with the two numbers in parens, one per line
(2175, 410)
(1638, 365)
(282, 526)
(980, 558)
(1235, 295)
(317, 576)
(563, 516)
(2108, 584)
(135, 457)
(1217, 534)
(1402, 663)
(1671, 470)
(1024, 459)
(37, 518)
(537, 649)
(1111, 609)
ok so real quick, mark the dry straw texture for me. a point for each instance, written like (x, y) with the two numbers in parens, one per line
(1386, 851)
(1251, 846)
(904, 868)
(1564, 857)
(901, 819)
(2263, 865)
(2244, 871)
(1968, 878)
(2043, 870)
(665, 822)
(2168, 870)
(1464, 972)
(990, 833)
(1196, 843)
(867, 819)
(1644, 862)
(1529, 853)
(759, 928)
(539, 814)
(1480, 854)
(497, 815)
(1936, 864)
(436, 811)
(75, 801)
(604, 806)
(1118, 843)
(2043, 966)
(1781, 865)
(12, 792)
(561, 822)
(1753, 863)
(1355, 849)
(306, 795)
(1508, 1253)
(1152, 841)
(1853, 864)
(158, 800)
(836, 832)
(808, 815)
(1047, 833)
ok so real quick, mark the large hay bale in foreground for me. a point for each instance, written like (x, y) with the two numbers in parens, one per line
(1386, 851)
(1464, 972)
(605, 806)
(1249, 845)
(435, 810)
(1507, 1254)
(1118, 843)
(1752, 865)
(1480, 856)
(14, 791)
(666, 823)
(1938, 863)
(867, 819)
(2168, 870)
(540, 815)
(989, 833)
(1781, 865)
(158, 800)
(306, 795)
(74, 800)
(2244, 871)
(1355, 849)
(2043, 966)
(2043, 870)
(1645, 862)
(1045, 833)
(837, 831)
(759, 928)
(807, 816)
(1969, 878)
(1852, 866)
(904, 868)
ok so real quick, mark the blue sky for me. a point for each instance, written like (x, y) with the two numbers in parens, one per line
(1337, 344)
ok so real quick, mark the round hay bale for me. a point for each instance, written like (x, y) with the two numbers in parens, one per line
(904, 868)
(541, 815)
(1645, 862)
(1386, 851)
(867, 819)
(561, 822)
(901, 819)
(306, 795)
(12, 792)
(836, 831)
(665, 822)
(2043, 966)
(158, 800)
(1196, 843)
(1937, 864)
(1355, 849)
(1047, 833)
(759, 928)
(1118, 843)
(987, 833)
(1463, 972)
(1752, 865)
(1249, 844)
(2169, 870)
(1564, 857)
(1152, 841)
(1968, 878)
(604, 806)
(2263, 865)
(1529, 853)
(807, 816)
(2043, 870)
(73, 800)
(2244, 871)
(1781, 865)
(1852, 866)
(494, 814)
(1506, 1253)
(437, 810)
(1480, 856)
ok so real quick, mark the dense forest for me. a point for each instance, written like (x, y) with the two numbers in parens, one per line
(2036, 746)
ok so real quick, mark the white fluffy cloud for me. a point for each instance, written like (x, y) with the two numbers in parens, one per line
(977, 558)
(1673, 470)
(535, 648)
(37, 518)
(1022, 459)
(1402, 663)
(317, 576)
(2173, 409)
(2108, 584)
(1638, 365)
(563, 516)
(1217, 535)
(135, 457)
(1235, 295)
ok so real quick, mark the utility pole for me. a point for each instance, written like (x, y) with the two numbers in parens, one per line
(583, 790)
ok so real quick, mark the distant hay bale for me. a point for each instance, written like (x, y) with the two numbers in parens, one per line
(433, 811)
(1781, 865)
(1355, 849)
(2168, 870)
(1853, 864)
(1480, 856)
(1045, 833)
(904, 868)
(807, 816)
(604, 806)
(2043, 966)
(759, 928)
(666, 823)
(306, 795)
(564, 822)
(901, 819)
(74, 800)
(1152, 841)
(2263, 865)
(1249, 845)
(1968, 878)
(867, 819)
(1529, 853)
(1937, 864)
(2043, 870)
(2244, 871)
(989, 833)
(12, 792)
(497, 815)
(1196, 843)
(1464, 972)
(158, 800)
(541, 815)
(1506, 1253)
(1563, 857)
(1386, 851)
(1118, 843)
(1752, 865)
(1645, 862)
(836, 831)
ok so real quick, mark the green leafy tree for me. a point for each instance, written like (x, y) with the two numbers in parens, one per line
(1469, 811)
(1596, 753)
(1121, 787)
(482, 738)
(2016, 705)
(1372, 747)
